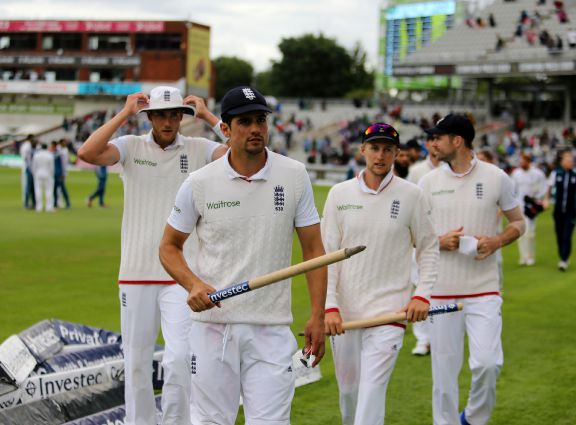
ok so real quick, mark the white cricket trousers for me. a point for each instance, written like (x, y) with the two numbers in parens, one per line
(233, 360)
(481, 320)
(44, 185)
(143, 309)
(364, 360)
(527, 242)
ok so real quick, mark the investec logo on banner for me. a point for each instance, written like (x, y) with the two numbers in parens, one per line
(49, 385)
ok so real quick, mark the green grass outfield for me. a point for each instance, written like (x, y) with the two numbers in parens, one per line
(64, 265)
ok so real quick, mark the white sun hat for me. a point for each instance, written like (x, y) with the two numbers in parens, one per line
(166, 97)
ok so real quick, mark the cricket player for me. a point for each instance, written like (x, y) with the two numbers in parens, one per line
(154, 166)
(465, 195)
(530, 185)
(389, 215)
(244, 208)
(415, 173)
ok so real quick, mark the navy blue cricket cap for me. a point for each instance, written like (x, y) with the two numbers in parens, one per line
(456, 124)
(381, 132)
(243, 99)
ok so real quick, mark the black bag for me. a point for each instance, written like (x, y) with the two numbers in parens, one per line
(532, 207)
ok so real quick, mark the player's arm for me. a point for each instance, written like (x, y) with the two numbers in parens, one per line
(509, 205)
(173, 261)
(427, 255)
(311, 243)
(332, 239)
(212, 120)
(96, 149)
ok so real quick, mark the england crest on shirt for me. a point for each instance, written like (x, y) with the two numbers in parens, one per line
(395, 209)
(479, 191)
(279, 198)
(183, 163)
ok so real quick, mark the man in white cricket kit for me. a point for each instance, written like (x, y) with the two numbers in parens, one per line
(154, 166)
(389, 215)
(529, 181)
(465, 195)
(415, 173)
(43, 172)
(244, 208)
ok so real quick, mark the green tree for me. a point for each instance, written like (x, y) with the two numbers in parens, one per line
(231, 72)
(362, 79)
(312, 66)
(263, 81)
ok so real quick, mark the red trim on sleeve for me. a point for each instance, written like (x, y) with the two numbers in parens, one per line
(416, 297)
(146, 282)
(481, 294)
(332, 310)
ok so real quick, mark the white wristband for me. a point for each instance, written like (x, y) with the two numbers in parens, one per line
(218, 131)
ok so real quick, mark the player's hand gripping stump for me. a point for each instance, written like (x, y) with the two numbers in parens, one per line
(285, 273)
(398, 317)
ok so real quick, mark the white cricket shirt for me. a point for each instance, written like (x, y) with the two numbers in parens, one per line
(389, 222)
(471, 200)
(151, 177)
(245, 229)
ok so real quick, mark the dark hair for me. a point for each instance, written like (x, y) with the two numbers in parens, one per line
(227, 119)
(488, 154)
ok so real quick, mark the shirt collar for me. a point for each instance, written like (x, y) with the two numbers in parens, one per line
(176, 143)
(262, 174)
(446, 167)
(364, 188)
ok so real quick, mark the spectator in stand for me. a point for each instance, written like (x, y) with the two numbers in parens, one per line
(559, 43)
(571, 36)
(492, 20)
(562, 189)
(530, 188)
(500, 43)
(544, 37)
(43, 171)
(101, 175)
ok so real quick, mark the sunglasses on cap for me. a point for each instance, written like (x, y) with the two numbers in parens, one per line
(381, 131)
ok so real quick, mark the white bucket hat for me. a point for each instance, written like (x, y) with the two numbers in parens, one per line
(165, 97)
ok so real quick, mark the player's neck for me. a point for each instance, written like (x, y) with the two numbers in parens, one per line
(247, 164)
(462, 162)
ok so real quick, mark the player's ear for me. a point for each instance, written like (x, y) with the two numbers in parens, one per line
(225, 129)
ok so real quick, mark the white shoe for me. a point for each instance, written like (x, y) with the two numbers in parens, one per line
(421, 349)
(530, 262)
(562, 266)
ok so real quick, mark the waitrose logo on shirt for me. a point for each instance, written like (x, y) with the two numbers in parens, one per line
(346, 207)
(145, 162)
(222, 204)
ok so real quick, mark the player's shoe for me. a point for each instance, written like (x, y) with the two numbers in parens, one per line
(562, 266)
(463, 420)
(421, 349)
(530, 262)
